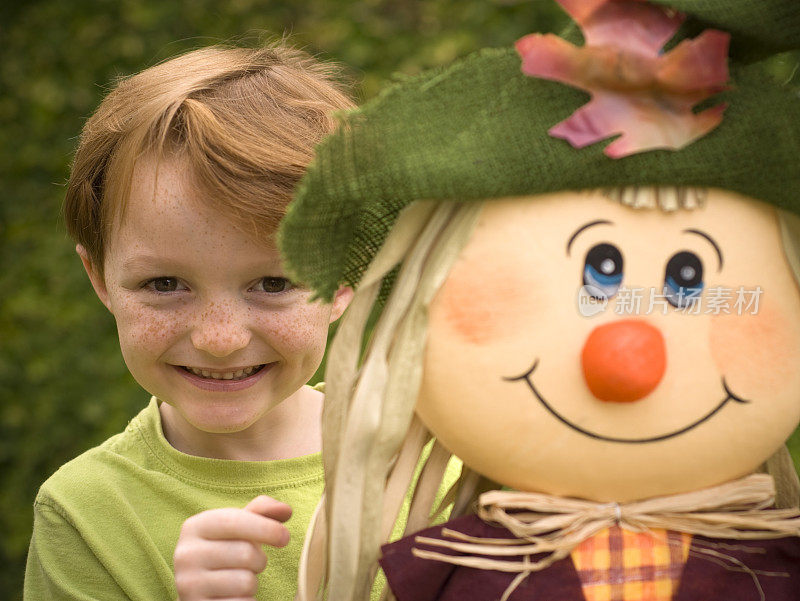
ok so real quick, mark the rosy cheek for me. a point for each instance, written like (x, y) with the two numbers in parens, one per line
(467, 317)
(756, 352)
(479, 302)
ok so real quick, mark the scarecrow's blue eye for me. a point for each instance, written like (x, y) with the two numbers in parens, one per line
(683, 279)
(602, 271)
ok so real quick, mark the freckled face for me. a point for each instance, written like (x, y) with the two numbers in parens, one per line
(207, 321)
(511, 303)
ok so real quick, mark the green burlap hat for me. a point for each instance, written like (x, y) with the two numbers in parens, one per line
(479, 130)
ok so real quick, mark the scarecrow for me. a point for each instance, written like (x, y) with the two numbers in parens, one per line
(585, 254)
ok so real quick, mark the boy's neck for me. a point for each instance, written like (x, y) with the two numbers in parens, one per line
(291, 429)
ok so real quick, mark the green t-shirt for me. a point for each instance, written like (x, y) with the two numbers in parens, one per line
(106, 523)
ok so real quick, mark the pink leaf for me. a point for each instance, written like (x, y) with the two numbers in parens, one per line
(630, 25)
(698, 64)
(639, 94)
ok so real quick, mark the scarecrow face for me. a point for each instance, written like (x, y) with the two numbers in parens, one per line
(583, 348)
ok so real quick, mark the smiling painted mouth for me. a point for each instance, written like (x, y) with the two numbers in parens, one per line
(729, 396)
(240, 374)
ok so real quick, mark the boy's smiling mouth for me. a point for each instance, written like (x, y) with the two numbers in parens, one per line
(729, 396)
(230, 380)
(218, 374)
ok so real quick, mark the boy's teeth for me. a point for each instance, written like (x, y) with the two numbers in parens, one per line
(224, 375)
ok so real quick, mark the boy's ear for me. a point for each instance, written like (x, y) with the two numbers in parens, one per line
(341, 299)
(98, 283)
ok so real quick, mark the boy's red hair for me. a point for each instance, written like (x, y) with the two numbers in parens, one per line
(245, 121)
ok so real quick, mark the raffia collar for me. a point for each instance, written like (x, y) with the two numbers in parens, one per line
(554, 526)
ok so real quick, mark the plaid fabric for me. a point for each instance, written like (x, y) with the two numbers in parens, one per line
(618, 565)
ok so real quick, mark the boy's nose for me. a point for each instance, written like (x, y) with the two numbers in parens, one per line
(220, 333)
(624, 361)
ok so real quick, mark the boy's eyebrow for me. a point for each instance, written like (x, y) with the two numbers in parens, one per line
(584, 227)
(140, 261)
(702, 234)
(150, 261)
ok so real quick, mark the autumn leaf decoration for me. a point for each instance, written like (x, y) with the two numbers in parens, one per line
(638, 92)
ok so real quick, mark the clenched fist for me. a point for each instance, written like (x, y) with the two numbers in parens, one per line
(219, 552)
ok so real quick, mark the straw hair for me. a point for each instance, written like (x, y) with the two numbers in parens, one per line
(369, 426)
(244, 120)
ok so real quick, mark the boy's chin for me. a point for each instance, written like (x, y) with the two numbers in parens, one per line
(217, 418)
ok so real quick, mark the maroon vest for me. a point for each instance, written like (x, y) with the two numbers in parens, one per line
(415, 579)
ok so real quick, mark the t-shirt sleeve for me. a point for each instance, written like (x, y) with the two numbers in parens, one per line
(61, 566)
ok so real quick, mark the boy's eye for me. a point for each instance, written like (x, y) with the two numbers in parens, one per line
(683, 279)
(163, 284)
(602, 271)
(273, 285)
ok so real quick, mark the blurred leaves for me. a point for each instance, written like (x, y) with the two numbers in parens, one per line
(63, 385)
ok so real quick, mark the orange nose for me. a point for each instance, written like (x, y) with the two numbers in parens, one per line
(624, 361)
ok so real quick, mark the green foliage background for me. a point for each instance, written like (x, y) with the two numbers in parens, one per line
(63, 385)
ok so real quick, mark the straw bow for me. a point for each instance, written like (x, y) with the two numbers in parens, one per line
(554, 525)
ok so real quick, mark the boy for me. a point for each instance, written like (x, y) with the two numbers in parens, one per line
(177, 187)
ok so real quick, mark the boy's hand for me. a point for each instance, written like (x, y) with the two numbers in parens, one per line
(219, 553)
